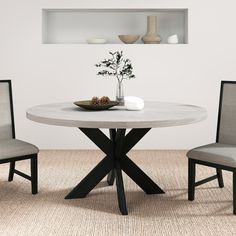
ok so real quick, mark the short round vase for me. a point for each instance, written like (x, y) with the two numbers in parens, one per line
(151, 36)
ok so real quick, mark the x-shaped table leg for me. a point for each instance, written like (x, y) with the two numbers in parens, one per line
(112, 165)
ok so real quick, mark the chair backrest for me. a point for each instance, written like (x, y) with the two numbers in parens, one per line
(226, 128)
(7, 129)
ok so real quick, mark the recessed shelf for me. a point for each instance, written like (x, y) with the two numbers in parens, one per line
(74, 26)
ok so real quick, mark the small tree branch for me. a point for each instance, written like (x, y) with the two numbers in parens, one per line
(117, 66)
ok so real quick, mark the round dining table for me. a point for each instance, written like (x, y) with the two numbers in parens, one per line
(117, 120)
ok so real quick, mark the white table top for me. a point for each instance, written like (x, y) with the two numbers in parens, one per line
(154, 114)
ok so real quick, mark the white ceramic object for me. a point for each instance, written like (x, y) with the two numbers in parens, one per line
(96, 41)
(173, 39)
(134, 103)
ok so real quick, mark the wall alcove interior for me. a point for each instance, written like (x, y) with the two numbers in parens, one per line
(74, 26)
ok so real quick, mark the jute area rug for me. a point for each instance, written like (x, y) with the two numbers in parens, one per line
(48, 213)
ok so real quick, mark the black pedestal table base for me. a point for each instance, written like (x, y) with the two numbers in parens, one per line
(115, 161)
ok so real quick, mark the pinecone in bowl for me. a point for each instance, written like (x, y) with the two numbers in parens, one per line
(104, 100)
(95, 101)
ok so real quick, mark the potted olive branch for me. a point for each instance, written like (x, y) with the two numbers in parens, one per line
(119, 67)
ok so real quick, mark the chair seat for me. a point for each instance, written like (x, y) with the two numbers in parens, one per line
(218, 153)
(10, 148)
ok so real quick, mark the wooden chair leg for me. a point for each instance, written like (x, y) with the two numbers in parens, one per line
(220, 178)
(34, 174)
(11, 171)
(234, 192)
(191, 179)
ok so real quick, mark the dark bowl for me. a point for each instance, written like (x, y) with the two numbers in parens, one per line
(88, 106)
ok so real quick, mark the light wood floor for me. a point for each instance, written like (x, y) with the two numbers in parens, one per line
(168, 214)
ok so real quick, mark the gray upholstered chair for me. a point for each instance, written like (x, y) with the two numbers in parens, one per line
(11, 149)
(222, 153)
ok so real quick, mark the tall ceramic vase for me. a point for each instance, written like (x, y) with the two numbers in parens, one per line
(151, 36)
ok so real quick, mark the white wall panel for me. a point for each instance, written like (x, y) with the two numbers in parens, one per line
(187, 73)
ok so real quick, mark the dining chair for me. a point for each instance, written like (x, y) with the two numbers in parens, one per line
(12, 149)
(221, 154)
